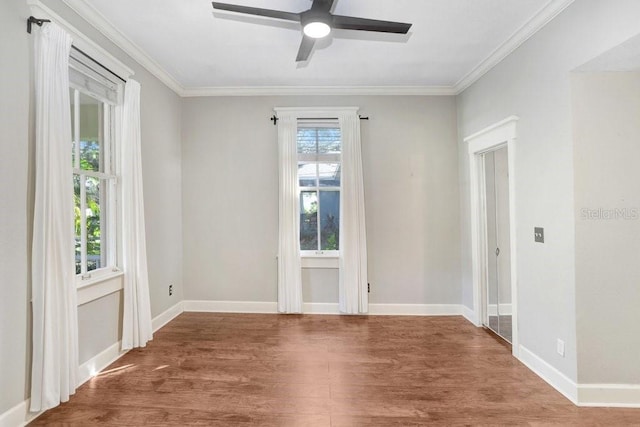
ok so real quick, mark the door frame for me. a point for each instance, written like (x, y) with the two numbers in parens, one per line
(502, 133)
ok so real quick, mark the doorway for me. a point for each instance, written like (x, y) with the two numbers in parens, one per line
(496, 298)
(493, 235)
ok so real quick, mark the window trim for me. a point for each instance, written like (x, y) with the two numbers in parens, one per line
(109, 143)
(102, 284)
(317, 158)
(322, 260)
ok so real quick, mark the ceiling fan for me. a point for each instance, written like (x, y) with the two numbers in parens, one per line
(318, 22)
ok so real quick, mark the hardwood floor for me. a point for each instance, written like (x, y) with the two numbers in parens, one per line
(305, 370)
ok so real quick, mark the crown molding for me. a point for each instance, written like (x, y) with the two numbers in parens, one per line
(522, 34)
(81, 41)
(102, 24)
(319, 90)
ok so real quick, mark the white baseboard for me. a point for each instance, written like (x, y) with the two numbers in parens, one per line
(550, 374)
(609, 395)
(97, 363)
(470, 315)
(231, 306)
(416, 309)
(19, 415)
(505, 309)
(167, 316)
(320, 308)
(323, 308)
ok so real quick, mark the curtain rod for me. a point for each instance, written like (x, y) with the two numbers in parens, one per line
(275, 118)
(33, 20)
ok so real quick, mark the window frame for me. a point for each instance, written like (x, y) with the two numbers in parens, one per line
(109, 208)
(317, 159)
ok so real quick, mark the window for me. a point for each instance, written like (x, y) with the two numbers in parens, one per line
(319, 164)
(93, 154)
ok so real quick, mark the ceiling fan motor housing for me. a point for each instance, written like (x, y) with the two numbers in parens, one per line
(314, 16)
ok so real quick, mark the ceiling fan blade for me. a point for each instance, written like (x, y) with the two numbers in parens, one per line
(270, 13)
(324, 5)
(363, 24)
(305, 48)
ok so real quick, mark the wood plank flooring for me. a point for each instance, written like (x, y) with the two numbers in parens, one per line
(303, 370)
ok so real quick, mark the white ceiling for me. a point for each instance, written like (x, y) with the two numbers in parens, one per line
(198, 48)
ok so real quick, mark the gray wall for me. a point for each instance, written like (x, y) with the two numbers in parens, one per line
(15, 183)
(99, 320)
(606, 120)
(230, 202)
(534, 83)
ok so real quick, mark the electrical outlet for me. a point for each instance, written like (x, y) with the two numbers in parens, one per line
(368, 288)
(170, 290)
(560, 347)
(538, 234)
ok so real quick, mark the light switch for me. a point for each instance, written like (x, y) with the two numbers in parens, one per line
(538, 233)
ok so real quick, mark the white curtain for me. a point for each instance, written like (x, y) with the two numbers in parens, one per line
(136, 320)
(55, 312)
(289, 267)
(353, 292)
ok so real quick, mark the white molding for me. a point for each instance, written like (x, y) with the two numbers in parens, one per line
(97, 290)
(302, 112)
(230, 306)
(167, 316)
(320, 262)
(521, 35)
(102, 24)
(320, 308)
(319, 90)
(609, 395)
(499, 134)
(484, 139)
(416, 309)
(90, 14)
(470, 315)
(505, 309)
(551, 375)
(97, 363)
(81, 41)
(323, 308)
(19, 415)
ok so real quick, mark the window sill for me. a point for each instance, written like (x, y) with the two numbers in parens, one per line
(320, 261)
(100, 286)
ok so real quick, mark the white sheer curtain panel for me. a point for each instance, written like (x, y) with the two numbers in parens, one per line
(53, 286)
(352, 293)
(289, 266)
(136, 320)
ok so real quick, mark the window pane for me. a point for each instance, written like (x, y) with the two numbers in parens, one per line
(307, 173)
(77, 224)
(307, 140)
(329, 174)
(330, 220)
(309, 221)
(94, 231)
(90, 133)
(328, 140)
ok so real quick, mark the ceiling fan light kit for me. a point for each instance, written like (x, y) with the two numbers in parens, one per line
(318, 22)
